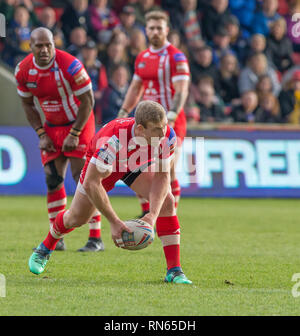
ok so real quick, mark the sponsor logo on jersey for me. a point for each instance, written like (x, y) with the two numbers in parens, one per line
(81, 77)
(141, 65)
(31, 85)
(179, 57)
(147, 54)
(45, 74)
(74, 68)
(33, 72)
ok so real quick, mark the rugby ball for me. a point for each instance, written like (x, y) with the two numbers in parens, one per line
(142, 235)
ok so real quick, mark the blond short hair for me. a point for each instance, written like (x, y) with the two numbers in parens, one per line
(149, 111)
(157, 15)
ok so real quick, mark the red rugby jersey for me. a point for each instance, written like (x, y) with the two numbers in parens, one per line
(55, 86)
(116, 148)
(158, 70)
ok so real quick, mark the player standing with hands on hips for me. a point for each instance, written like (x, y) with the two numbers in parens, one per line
(54, 83)
(162, 75)
(137, 151)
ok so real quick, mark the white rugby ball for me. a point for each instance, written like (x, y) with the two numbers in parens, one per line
(142, 235)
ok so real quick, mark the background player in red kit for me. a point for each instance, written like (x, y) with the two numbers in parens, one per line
(122, 149)
(54, 83)
(162, 75)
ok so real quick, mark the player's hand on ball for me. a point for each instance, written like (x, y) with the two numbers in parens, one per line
(116, 232)
(46, 143)
(70, 143)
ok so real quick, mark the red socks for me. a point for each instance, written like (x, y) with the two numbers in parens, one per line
(95, 226)
(144, 204)
(56, 202)
(168, 230)
(56, 232)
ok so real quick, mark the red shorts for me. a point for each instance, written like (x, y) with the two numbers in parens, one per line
(58, 135)
(180, 127)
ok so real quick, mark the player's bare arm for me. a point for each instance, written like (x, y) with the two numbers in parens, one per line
(132, 98)
(98, 196)
(84, 111)
(35, 121)
(181, 92)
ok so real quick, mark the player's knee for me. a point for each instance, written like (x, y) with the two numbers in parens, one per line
(53, 181)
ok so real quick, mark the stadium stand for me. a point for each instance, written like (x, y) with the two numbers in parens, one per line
(234, 43)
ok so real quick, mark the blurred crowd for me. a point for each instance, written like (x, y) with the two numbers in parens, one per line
(244, 54)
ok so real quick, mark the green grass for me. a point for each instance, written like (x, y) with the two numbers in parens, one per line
(240, 254)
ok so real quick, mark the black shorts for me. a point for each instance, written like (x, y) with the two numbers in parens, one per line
(130, 177)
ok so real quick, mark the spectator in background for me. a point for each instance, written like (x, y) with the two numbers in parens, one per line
(97, 73)
(137, 44)
(227, 80)
(263, 18)
(17, 44)
(279, 48)
(78, 38)
(289, 100)
(263, 86)
(209, 108)
(118, 36)
(175, 38)
(114, 94)
(269, 111)
(257, 44)
(202, 64)
(257, 66)
(114, 55)
(128, 21)
(48, 20)
(7, 7)
(186, 20)
(220, 45)
(238, 38)
(248, 109)
(215, 15)
(142, 7)
(75, 15)
(244, 10)
(294, 8)
(103, 20)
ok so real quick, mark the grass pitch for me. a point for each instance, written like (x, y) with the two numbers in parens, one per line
(240, 254)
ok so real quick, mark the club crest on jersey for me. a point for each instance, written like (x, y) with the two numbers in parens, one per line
(32, 72)
(141, 65)
(74, 68)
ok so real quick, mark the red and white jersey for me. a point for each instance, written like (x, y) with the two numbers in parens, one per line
(54, 87)
(158, 70)
(116, 148)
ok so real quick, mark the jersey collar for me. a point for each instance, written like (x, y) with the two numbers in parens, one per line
(155, 51)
